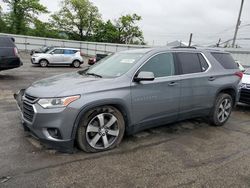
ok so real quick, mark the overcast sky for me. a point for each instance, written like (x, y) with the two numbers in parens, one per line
(168, 20)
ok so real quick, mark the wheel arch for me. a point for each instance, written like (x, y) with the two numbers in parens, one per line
(116, 104)
(231, 91)
(43, 59)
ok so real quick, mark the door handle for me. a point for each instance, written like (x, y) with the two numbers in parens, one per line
(211, 78)
(173, 84)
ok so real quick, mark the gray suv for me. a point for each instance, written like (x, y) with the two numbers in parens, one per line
(128, 92)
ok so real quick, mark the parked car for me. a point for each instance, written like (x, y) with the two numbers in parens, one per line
(44, 49)
(97, 58)
(9, 57)
(128, 92)
(59, 56)
(245, 88)
(242, 69)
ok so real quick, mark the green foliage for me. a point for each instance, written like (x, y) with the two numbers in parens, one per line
(23, 12)
(77, 18)
(129, 32)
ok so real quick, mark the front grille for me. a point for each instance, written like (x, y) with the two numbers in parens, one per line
(245, 96)
(28, 111)
(30, 98)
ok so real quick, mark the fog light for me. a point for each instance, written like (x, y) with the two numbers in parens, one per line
(54, 133)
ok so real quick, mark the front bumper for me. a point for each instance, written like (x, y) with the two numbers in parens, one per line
(245, 96)
(40, 122)
(34, 60)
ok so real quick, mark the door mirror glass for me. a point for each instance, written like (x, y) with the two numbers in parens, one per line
(144, 76)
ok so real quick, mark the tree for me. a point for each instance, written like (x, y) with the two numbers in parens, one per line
(22, 13)
(129, 32)
(106, 32)
(77, 18)
(44, 29)
(2, 22)
(124, 31)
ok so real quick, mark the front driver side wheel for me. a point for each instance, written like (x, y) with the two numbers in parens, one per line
(101, 129)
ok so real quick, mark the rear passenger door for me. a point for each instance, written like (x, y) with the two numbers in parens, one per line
(195, 84)
(68, 56)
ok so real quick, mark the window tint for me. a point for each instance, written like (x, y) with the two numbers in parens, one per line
(6, 42)
(161, 65)
(189, 62)
(204, 64)
(58, 51)
(69, 52)
(225, 60)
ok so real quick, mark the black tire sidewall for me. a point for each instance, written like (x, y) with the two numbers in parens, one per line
(214, 116)
(81, 132)
(42, 61)
(79, 64)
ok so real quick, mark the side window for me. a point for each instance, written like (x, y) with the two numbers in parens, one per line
(161, 65)
(58, 51)
(189, 62)
(204, 65)
(225, 59)
(69, 52)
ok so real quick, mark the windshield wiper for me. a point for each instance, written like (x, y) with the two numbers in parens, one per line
(93, 74)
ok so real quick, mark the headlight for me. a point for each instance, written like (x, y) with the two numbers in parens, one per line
(57, 102)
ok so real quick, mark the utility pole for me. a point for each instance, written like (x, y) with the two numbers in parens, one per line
(237, 24)
(190, 39)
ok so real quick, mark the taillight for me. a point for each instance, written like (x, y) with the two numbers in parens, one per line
(15, 52)
(81, 53)
(239, 74)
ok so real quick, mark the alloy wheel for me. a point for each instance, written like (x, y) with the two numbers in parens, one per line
(102, 131)
(224, 110)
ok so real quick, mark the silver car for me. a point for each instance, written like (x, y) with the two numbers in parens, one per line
(59, 56)
(128, 92)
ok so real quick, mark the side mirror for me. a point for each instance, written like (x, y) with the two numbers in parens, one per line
(52, 53)
(144, 76)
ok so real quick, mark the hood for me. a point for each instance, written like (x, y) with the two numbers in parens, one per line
(65, 85)
(246, 79)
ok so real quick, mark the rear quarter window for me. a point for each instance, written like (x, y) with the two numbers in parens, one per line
(225, 59)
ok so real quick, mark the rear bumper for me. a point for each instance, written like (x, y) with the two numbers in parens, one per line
(245, 96)
(10, 63)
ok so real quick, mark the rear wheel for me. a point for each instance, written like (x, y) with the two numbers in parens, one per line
(76, 64)
(222, 109)
(44, 63)
(101, 129)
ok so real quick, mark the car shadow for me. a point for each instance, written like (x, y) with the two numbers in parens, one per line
(242, 107)
(8, 77)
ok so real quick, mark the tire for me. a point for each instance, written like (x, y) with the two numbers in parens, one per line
(221, 110)
(76, 64)
(43, 63)
(100, 129)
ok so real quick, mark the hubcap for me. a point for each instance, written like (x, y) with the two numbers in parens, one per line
(102, 131)
(224, 110)
(43, 63)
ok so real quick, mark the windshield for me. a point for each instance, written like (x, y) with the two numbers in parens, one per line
(114, 65)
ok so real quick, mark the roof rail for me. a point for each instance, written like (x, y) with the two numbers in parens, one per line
(192, 47)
